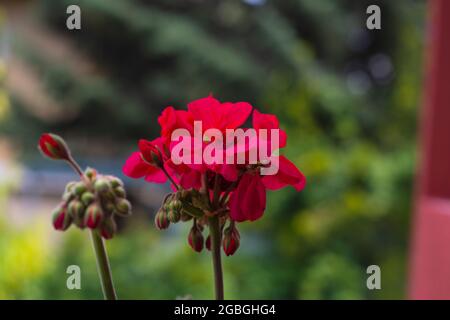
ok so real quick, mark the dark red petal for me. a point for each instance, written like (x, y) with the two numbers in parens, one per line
(136, 167)
(155, 175)
(234, 114)
(248, 201)
(288, 174)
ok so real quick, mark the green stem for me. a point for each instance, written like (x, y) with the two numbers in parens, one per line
(103, 267)
(215, 233)
(170, 178)
(75, 166)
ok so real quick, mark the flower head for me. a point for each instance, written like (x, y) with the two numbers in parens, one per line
(91, 202)
(215, 167)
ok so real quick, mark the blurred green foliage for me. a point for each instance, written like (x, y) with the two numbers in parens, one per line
(346, 96)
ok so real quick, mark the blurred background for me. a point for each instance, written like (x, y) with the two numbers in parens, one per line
(347, 96)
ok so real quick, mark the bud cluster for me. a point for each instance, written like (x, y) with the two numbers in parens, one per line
(185, 205)
(92, 203)
(176, 207)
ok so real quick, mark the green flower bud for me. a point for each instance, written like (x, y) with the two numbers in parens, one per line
(67, 196)
(79, 188)
(102, 185)
(115, 182)
(108, 228)
(173, 216)
(161, 220)
(93, 216)
(61, 218)
(87, 198)
(123, 207)
(120, 192)
(76, 210)
(177, 205)
(91, 174)
(110, 208)
(70, 186)
(108, 196)
(167, 203)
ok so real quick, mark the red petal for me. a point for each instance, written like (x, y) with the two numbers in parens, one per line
(248, 202)
(206, 110)
(234, 114)
(269, 121)
(288, 174)
(171, 119)
(136, 167)
(155, 175)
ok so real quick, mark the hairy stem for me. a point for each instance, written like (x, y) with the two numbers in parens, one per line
(103, 267)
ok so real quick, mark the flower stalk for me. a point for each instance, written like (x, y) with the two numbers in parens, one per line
(101, 256)
(103, 267)
(215, 233)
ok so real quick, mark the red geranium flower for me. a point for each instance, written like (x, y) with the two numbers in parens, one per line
(236, 191)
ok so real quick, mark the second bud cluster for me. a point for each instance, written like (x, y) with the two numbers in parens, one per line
(92, 203)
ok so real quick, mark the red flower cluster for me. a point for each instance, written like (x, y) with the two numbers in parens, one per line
(241, 186)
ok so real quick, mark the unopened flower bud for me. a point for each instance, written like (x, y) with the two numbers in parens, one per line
(161, 220)
(150, 153)
(173, 216)
(54, 147)
(177, 205)
(195, 239)
(120, 192)
(91, 174)
(70, 186)
(61, 218)
(108, 228)
(87, 198)
(110, 208)
(93, 216)
(231, 240)
(115, 182)
(79, 188)
(123, 207)
(76, 210)
(67, 196)
(108, 196)
(102, 185)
